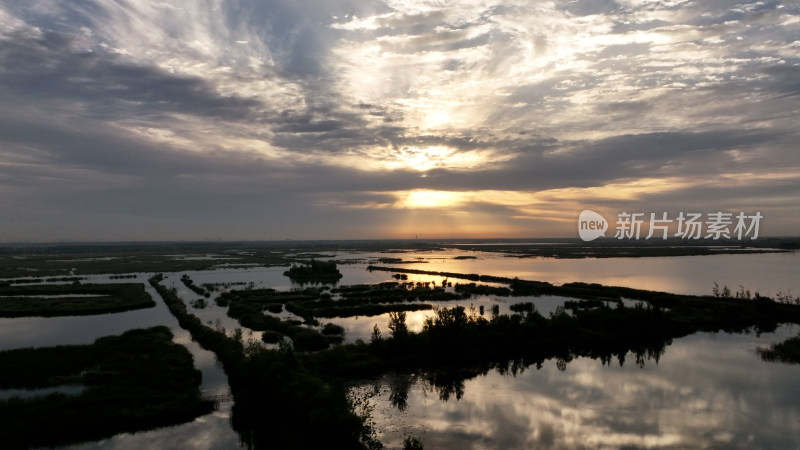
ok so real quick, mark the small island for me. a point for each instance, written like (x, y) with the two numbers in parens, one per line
(314, 272)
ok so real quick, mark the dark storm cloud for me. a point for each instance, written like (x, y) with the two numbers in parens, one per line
(308, 126)
(783, 80)
(55, 66)
(538, 167)
(321, 133)
(668, 146)
(551, 164)
(733, 195)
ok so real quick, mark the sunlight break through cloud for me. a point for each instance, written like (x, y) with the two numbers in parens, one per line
(272, 119)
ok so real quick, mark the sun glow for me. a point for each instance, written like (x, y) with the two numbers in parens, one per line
(545, 203)
(423, 159)
(420, 199)
(437, 119)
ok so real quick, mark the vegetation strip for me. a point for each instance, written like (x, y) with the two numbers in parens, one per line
(185, 279)
(600, 292)
(73, 299)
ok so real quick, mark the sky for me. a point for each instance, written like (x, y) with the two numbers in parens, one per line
(347, 119)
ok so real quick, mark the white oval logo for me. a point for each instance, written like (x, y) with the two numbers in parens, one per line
(591, 225)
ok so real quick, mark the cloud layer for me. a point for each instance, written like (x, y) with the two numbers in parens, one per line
(276, 119)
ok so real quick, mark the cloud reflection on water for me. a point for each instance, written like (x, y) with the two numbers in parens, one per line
(707, 390)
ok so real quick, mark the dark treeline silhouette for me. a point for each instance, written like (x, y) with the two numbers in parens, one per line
(470, 289)
(458, 338)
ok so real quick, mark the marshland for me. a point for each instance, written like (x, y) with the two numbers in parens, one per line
(440, 345)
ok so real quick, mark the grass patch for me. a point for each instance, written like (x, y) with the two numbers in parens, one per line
(787, 351)
(72, 300)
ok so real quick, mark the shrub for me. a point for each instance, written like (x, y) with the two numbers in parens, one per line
(271, 336)
(275, 308)
(412, 443)
(332, 329)
(309, 340)
(397, 324)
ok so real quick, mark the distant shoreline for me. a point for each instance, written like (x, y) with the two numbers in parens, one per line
(765, 243)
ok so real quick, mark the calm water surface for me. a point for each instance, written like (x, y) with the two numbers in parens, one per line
(708, 390)
(766, 273)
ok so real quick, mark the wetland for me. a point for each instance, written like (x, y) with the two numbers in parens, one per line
(443, 345)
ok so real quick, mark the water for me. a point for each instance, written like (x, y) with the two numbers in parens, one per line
(707, 390)
(30, 393)
(766, 273)
(210, 432)
(360, 328)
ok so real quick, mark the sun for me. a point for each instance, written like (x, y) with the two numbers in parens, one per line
(436, 119)
(424, 199)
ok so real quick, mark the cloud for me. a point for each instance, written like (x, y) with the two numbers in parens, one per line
(54, 66)
(250, 102)
(615, 402)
